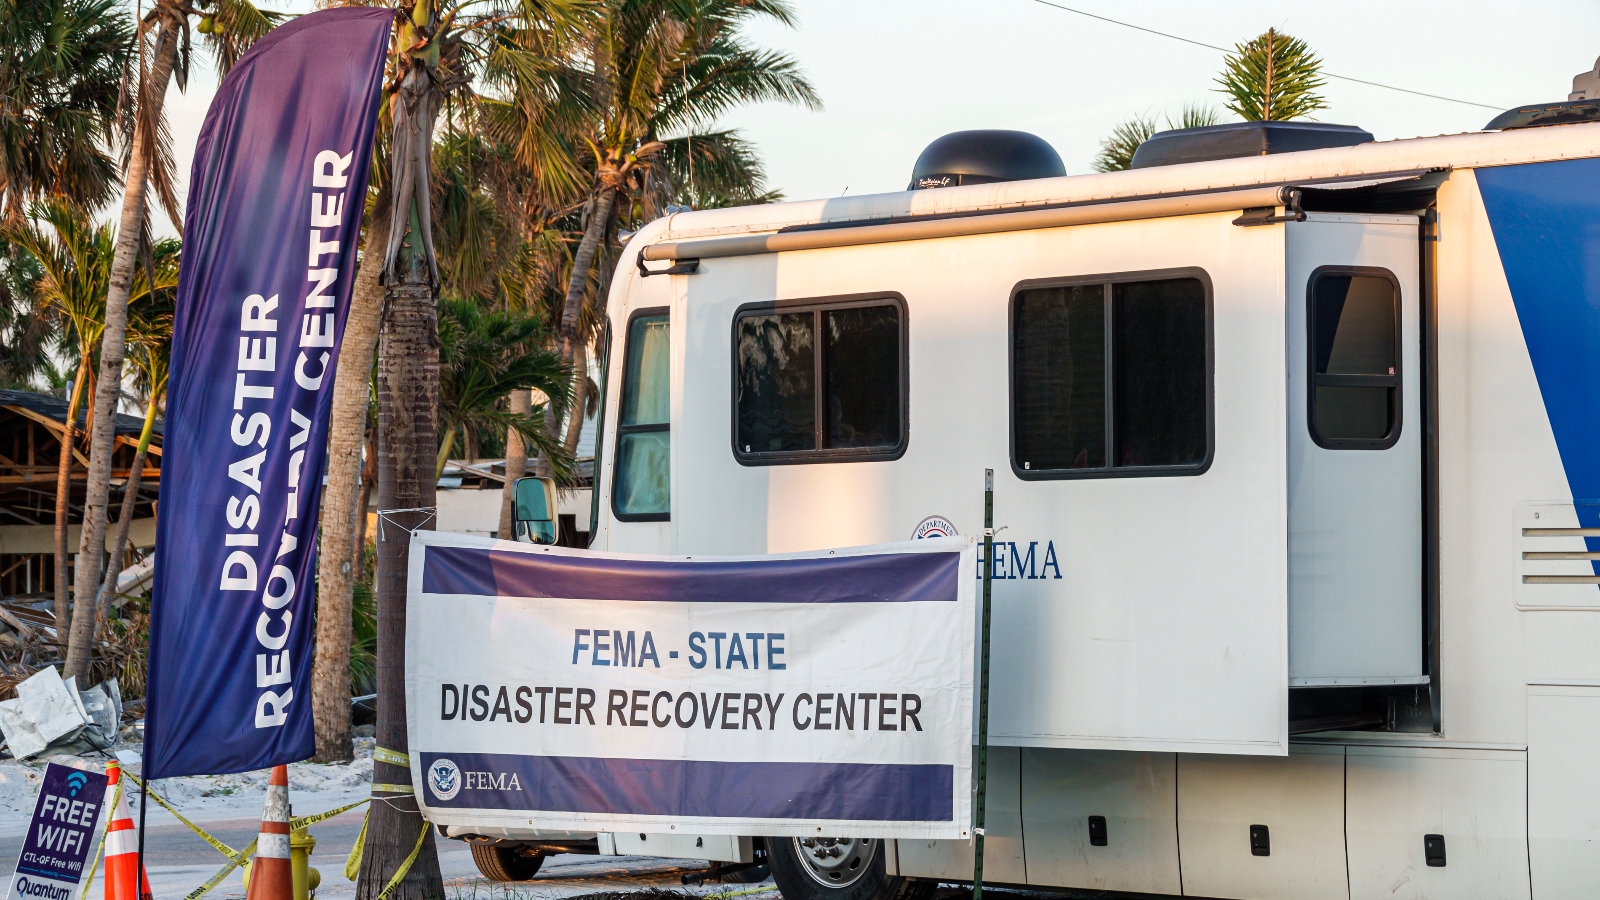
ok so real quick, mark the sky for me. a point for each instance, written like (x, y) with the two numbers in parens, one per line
(894, 75)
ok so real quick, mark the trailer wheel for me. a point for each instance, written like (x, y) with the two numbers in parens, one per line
(838, 869)
(506, 862)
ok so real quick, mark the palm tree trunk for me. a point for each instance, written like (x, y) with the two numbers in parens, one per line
(330, 678)
(130, 499)
(580, 391)
(408, 379)
(369, 477)
(516, 465)
(63, 491)
(408, 396)
(112, 344)
(572, 308)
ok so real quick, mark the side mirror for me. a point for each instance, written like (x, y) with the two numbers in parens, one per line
(535, 514)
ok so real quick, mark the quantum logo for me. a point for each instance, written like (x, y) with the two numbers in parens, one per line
(444, 779)
(43, 890)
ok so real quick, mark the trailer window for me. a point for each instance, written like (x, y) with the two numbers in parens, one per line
(642, 487)
(819, 381)
(1111, 378)
(1354, 344)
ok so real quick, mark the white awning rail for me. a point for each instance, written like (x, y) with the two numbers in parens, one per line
(959, 225)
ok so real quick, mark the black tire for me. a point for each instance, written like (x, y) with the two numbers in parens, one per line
(506, 862)
(796, 881)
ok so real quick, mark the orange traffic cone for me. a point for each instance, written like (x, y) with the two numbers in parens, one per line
(125, 878)
(272, 875)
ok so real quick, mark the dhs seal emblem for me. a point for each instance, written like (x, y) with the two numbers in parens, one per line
(444, 779)
(934, 527)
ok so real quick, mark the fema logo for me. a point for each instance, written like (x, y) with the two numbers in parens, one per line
(934, 527)
(444, 779)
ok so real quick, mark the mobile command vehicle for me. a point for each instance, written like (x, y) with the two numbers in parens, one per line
(1297, 449)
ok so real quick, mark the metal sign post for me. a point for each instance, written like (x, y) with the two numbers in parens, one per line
(983, 690)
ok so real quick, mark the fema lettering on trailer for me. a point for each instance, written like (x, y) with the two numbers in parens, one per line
(256, 384)
(1012, 563)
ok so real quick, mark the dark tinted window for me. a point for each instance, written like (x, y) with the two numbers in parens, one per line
(815, 381)
(1354, 348)
(1160, 361)
(1060, 356)
(1133, 352)
(862, 362)
(777, 382)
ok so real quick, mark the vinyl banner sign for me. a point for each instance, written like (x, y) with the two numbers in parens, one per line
(269, 253)
(800, 694)
(60, 836)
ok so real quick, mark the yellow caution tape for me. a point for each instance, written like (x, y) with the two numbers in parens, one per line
(405, 867)
(237, 858)
(248, 851)
(217, 845)
(101, 849)
(392, 757)
(393, 789)
(352, 863)
(308, 821)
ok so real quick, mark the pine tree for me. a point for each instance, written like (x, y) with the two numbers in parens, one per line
(1272, 78)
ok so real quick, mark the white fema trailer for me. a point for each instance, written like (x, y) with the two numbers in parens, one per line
(1297, 450)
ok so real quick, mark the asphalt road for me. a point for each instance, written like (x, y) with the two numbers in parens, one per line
(179, 861)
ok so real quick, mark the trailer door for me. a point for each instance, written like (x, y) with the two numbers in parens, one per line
(1355, 452)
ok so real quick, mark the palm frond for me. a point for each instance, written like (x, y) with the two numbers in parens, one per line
(1116, 151)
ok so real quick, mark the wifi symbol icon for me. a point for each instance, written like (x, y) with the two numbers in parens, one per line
(75, 783)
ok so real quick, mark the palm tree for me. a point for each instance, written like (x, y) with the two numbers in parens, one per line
(1272, 78)
(1116, 151)
(26, 327)
(483, 357)
(440, 46)
(660, 67)
(150, 316)
(508, 42)
(61, 62)
(74, 257)
(229, 27)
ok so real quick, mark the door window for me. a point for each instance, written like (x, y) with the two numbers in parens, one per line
(642, 489)
(819, 382)
(1111, 378)
(1354, 350)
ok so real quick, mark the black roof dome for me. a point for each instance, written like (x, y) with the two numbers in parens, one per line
(980, 157)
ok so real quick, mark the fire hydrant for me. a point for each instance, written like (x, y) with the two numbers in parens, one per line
(306, 879)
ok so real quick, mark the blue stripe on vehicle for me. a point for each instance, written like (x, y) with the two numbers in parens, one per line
(709, 789)
(875, 578)
(1546, 223)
